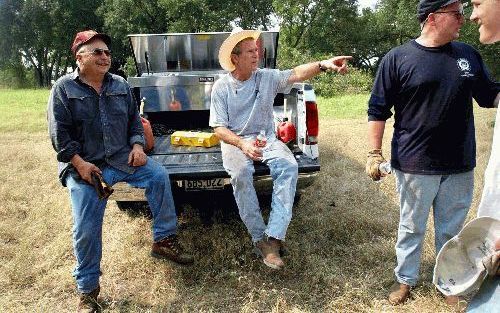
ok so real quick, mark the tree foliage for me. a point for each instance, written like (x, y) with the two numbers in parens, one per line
(37, 34)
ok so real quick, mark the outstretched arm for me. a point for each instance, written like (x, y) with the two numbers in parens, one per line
(306, 71)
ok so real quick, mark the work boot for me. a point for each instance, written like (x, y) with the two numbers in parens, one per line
(88, 302)
(269, 250)
(399, 293)
(283, 249)
(458, 303)
(170, 248)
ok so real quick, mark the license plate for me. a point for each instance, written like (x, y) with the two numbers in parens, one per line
(204, 184)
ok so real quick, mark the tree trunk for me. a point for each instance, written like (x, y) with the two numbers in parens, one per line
(38, 72)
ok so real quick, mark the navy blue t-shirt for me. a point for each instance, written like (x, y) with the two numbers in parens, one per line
(431, 91)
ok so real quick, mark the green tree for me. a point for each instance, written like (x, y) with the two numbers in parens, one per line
(395, 22)
(39, 33)
(320, 26)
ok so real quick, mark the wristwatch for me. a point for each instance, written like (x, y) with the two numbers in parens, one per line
(321, 67)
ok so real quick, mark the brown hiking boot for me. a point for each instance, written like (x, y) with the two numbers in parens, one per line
(269, 250)
(458, 303)
(283, 249)
(399, 293)
(170, 248)
(88, 302)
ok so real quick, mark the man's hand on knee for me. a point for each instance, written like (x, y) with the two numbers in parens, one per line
(137, 157)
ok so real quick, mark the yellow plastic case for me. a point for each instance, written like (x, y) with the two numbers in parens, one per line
(194, 139)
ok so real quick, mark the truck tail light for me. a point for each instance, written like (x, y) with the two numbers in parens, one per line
(312, 123)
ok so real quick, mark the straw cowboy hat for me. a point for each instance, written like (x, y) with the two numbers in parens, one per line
(459, 266)
(228, 45)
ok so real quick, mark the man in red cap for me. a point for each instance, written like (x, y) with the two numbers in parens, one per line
(95, 128)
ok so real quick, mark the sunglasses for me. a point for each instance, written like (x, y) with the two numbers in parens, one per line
(458, 13)
(99, 52)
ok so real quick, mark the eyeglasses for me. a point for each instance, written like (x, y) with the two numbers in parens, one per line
(98, 52)
(458, 13)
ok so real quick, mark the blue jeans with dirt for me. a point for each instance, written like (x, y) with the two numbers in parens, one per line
(88, 214)
(450, 196)
(284, 172)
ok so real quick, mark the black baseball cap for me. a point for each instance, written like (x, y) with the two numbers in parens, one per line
(426, 7)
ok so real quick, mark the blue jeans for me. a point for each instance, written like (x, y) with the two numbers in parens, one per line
(284, 172)
(88, 213)
(449, 195)
(487, 299)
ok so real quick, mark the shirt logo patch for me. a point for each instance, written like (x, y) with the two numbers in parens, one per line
(464, 66)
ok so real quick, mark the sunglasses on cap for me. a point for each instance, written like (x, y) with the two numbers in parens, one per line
(98, 52)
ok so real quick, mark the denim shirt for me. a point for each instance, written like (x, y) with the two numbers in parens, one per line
(100, 128)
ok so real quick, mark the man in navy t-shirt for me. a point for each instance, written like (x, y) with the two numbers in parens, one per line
(430, 83)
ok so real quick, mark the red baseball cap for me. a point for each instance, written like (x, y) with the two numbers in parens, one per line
(87, 35)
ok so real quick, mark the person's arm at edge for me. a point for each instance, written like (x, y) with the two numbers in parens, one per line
(137, 156)
(136, 130)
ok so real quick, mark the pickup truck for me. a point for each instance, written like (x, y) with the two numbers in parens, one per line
(175, 75)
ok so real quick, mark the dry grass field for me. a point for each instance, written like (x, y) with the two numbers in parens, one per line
(341, 238)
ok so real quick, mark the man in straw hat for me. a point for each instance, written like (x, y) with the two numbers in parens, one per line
(430, 83)
(96, 130)
(241, 107)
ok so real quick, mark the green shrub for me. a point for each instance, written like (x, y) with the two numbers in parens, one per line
(329, 84)
(16, 77)
(129, 67)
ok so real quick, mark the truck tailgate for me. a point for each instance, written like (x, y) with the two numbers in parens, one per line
(196, 162)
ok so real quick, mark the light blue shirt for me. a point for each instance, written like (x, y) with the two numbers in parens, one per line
(246, 107)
